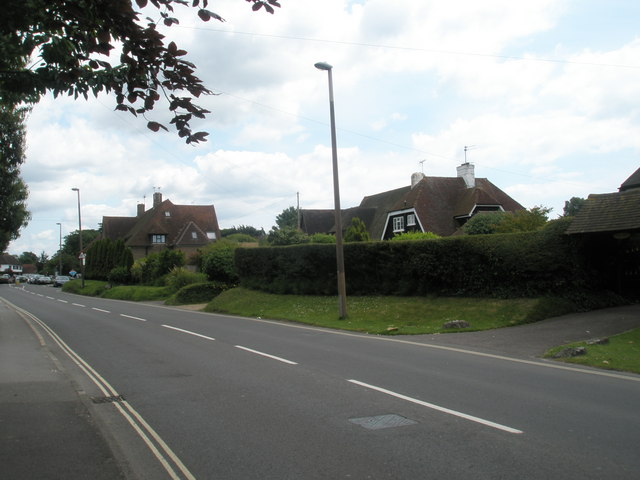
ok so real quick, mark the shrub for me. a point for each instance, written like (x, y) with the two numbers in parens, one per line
(198, 293)
(322, 238)
(180, 277)
(408, 236)
(217, 262)
(119, 276)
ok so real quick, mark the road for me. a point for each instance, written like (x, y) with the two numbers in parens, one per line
(221, 397)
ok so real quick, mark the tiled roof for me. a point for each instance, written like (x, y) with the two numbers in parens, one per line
(608, 212)
(632, 182)
(182, 224)
(323, 221)
(7, 259)
(437, 202)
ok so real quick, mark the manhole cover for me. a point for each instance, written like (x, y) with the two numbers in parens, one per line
(382, 421)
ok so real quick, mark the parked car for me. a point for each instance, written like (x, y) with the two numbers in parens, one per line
(5, 278)
(60, 280)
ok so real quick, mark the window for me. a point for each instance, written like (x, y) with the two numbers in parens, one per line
(194, 235)
(158, 238)
(211, 235)
(167, 213)
(398, 224)
(411, 219)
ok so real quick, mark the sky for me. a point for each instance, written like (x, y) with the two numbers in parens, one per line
(543, 93)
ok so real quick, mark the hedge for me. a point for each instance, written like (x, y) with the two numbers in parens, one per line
(504, 265)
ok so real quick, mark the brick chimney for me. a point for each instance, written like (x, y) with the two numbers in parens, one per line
(466, 172)
(157, 199)
(140, 209)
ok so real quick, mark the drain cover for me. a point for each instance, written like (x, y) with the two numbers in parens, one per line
(382, 421)
(112, 399)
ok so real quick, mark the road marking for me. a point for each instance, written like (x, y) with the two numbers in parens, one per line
(100, 310)
(280, 359)
(188, 332)
(135, 318)
(63, 301)
(78, 305)
(379, 338)
(160, 449)
(50, 298)
(482, 421)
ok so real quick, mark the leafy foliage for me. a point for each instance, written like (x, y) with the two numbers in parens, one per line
(243, 229)
(288, 218)
(507, 222)
(218, 262)
(13, 191)
(150, 269)
(410, 236)
(73, 41)
(198, 293)
(572, 206)
(357, 231)
(106, 255)
(483, 223)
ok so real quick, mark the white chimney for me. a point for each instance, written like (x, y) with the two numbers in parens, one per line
(415, 178)
(466, 172)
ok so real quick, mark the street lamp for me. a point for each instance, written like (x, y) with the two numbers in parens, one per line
(342, 288)
(60, 250)
(81, 256)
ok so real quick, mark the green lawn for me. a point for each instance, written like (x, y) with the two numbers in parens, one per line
(621, 353)
(383, 315)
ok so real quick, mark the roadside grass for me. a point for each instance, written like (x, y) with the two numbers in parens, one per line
(137, 293)
(621, 353)
(387, 315)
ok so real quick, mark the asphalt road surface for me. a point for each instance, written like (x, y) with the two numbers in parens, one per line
(183, 394)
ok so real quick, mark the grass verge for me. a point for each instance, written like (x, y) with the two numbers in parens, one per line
(622, 352)
(387, 315)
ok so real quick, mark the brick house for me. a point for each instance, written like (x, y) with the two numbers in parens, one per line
(165, 225)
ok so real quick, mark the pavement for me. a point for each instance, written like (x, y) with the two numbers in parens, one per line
(47, 431)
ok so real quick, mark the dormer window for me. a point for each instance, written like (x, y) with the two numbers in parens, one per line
(194, 235)
(411, 220)
(398, 224)
(167, 213)
(156, 238)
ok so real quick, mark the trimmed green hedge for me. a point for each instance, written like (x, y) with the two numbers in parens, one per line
(198, 293)
(505, 265)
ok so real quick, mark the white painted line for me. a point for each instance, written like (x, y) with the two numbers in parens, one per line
(135, 318)
(40, 295)
(188, 332)
(100, 310)
(50, 298)
(280, 359)
(63, 301)
(78, 305)
(438, 408)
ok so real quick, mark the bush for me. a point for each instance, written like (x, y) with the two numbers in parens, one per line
(218, 263)
(409, 236)
(119, 276)
(198, 293)
(322, 238)
(180, 277)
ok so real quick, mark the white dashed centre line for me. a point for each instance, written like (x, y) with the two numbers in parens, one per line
(482, 421)
(280, 359)
(188, 332)
(134, 318)
(78, 305)
(100, 310)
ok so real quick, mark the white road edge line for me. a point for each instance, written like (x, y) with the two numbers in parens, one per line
(280, 359)
(188, 332)
(100, 310)
(134, 318)
(125, 409)
(482, 421)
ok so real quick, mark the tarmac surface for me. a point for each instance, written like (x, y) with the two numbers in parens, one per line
(47, 431)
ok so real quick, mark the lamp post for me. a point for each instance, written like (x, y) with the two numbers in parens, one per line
(81, 256)
(60, 250)
(342, 288)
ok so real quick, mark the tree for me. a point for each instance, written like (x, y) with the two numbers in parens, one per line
(243, 229)
(28, 258)
(572, 206)
(73, 41)
(524, 220)
(357, 231)
(288, 218)
(13, 191)
(483, 223)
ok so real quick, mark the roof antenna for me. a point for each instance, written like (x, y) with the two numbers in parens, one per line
(468, 147)
(421, 162)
